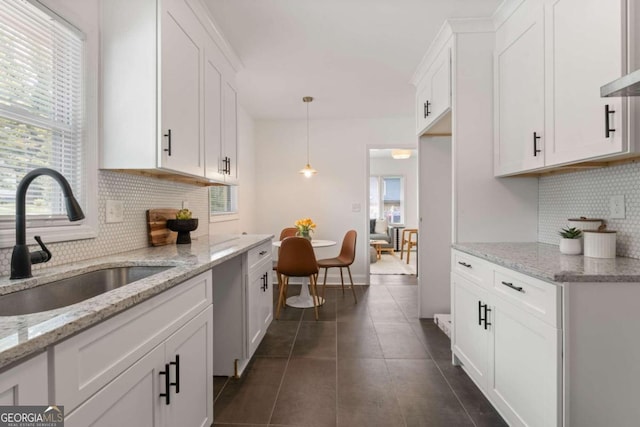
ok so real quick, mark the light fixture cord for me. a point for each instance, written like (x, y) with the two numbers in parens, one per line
(307, 132)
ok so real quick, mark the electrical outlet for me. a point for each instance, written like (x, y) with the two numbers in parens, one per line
(185, 204)
(616, 207)
(114, 211)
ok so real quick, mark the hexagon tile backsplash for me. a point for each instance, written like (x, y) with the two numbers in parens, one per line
(138, 194)
(587, 193)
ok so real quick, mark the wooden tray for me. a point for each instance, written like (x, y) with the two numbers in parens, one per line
(159, 234)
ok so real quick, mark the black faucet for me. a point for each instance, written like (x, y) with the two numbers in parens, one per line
(21, 259)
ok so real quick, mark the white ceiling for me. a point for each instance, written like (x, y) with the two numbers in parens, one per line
(355, 57)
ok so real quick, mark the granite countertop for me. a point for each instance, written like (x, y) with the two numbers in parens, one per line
(24, 335)
(545, 262)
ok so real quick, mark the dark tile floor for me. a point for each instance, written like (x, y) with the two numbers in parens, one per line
(368, 364)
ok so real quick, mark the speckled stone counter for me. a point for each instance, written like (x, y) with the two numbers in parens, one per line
(545, 262)
(21, 336)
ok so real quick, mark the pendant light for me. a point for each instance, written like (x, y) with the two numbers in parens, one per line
(308, 171)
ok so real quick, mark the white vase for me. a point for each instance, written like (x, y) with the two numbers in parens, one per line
(570, 246)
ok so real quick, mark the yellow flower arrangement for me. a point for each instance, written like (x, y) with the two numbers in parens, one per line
(305, 226)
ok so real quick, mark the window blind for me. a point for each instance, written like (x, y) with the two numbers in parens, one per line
(41, 108)
(223, 199)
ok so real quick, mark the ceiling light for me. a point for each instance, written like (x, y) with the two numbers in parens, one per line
(308, 171)
(400, 154)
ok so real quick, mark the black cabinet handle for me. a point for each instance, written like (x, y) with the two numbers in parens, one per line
(266, 281)
(168, 136)
(512, 286)
(480, 313)
(262, 253)
(486, 316)
(536, 137)
(426, 109)
(176, 384)
(607, 120)
(228, 165)
(167, 384)
(464, 264)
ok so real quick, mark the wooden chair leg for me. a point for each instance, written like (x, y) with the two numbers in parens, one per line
(408, 253)
(324, 282)
(352, 288)
(314, 293)
(402, 245)
(342, 280)
(281, 294)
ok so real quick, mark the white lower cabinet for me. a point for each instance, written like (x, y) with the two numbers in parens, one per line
(25, 384)
(148, 366)
(242, 308)
(507, 339)
(524, 377)
(471, 338)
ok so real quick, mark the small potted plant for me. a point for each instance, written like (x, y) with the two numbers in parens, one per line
(571, 242)
(184, 225)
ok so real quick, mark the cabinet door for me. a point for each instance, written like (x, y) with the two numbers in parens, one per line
(259, 305)
(440, 82)
(525, 373)
(132, 399)
(584, 51)
(26, 383)
(519, 91)
(191, 349)
(470, 338)
(212, 119)
(433, 97)
(181, 53)
(422, 95)
(230, 143)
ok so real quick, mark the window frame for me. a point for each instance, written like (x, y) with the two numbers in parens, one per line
(380, 213)
(53, 229)
(226, 216)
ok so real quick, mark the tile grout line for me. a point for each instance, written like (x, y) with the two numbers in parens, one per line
(293, 343)
(464, 408)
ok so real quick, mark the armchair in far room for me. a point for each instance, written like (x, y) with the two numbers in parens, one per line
(379, 230)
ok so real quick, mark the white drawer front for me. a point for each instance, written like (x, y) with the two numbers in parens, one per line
(472, 268)
(259, 253)
(86, 362)
(536, 297)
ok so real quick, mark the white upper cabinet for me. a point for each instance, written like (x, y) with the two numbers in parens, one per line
(433, 95)
(229, 152)
(164, 89)
(213, 118)
(181, 54)
(585, 50)
(551, 58)
(519, 113)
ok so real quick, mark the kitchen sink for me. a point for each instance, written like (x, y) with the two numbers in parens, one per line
(62, 293)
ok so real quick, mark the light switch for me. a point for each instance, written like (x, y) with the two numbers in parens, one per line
(355, 207)
(114, 211)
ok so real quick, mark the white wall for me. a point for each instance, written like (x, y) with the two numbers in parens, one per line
(339, 151)
(408, 168)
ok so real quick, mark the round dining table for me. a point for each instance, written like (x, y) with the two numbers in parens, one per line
(304, 300)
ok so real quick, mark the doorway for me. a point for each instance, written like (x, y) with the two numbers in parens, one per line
(392, 211)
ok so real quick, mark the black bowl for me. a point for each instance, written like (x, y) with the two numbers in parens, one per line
(183, 227)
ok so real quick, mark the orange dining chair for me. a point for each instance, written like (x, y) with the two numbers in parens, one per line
(408, 235)
(343, 260)
(286, 232)
(297, 260)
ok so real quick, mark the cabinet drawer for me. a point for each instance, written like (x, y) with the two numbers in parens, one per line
(259, 253)
(86, 362)
(472, 268)
(541, 299)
